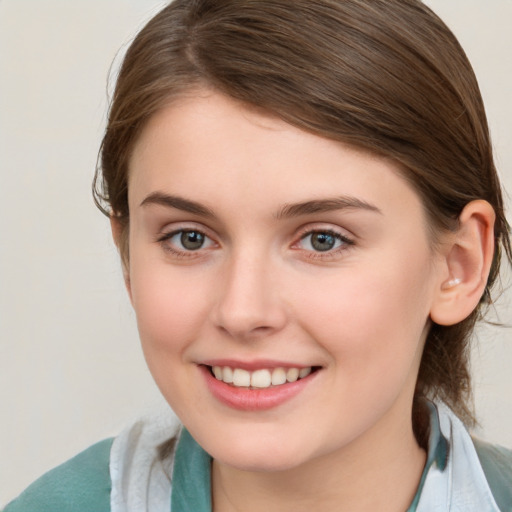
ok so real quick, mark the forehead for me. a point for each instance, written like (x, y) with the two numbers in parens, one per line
(225, 154)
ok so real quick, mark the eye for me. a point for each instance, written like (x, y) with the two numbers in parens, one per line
(185, 240)
(190, 240)
(323, 241)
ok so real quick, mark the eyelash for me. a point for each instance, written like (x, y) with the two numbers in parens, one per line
(164, 240)
(345, 243)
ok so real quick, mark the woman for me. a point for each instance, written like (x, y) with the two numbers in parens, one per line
(310, 222)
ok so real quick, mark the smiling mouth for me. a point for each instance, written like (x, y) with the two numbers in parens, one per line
(261, 378)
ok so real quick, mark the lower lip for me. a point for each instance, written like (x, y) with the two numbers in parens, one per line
(245, 399)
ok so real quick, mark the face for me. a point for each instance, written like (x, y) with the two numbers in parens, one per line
(282, 283)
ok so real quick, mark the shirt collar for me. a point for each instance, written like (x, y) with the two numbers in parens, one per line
(454, 480)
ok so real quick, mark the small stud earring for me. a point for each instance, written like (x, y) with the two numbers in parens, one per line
(451, 283)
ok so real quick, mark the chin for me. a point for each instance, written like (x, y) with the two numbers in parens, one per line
(259, 457)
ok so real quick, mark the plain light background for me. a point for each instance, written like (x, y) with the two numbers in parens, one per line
(71, 370)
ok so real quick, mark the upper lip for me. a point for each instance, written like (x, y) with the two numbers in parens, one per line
(256, 364)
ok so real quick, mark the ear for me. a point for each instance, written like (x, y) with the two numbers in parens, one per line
(120, 235)
(467, 261)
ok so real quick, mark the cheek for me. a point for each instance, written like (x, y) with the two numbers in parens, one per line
(170, 306)
(371, 320)
(171, 311)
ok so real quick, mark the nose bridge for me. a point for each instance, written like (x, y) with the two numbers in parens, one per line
(249, 301)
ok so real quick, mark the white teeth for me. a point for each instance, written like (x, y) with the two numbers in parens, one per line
(304, 372)
(227, 375)
(262, 378)
(241, 378)
(278, 376)
(292, 374)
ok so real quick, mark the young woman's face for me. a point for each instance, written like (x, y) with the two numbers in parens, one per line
(259, 251)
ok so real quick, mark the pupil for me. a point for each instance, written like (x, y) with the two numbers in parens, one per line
(322, 241)
(192, 240)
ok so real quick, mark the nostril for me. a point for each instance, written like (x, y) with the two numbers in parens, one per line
(247, 304)
(246, 330)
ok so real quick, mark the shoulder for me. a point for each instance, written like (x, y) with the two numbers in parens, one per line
(81, 484)
(496, 462)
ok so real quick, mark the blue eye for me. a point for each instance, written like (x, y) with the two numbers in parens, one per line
(323, 241)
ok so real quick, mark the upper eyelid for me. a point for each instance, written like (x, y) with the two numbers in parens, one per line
(325, 228)
(176, 227)
(164, 235)
(172, 228)
(343, 238)
(164, 240)
(319, 230)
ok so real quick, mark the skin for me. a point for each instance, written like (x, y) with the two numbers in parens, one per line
(257, 289)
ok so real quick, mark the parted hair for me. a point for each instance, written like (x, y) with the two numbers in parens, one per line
(386, 76)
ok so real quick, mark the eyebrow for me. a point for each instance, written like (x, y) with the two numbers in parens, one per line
(179, 203)
(287, 211)
(325, 205)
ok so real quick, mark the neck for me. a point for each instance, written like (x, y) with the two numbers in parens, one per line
(379, 471)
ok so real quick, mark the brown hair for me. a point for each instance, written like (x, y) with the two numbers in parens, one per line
(387, 76)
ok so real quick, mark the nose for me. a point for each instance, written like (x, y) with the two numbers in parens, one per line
(249, 303)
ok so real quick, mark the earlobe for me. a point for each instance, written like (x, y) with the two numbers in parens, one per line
(451, 283)
(120, 236)
(468, 259)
